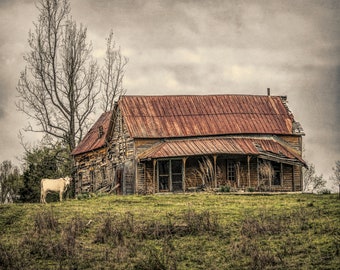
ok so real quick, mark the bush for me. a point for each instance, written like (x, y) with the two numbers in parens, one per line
(225, 189)
(83, 196)
(45, 221)
(250, 189)
(324, 191)
(11, 257)
(158, 259)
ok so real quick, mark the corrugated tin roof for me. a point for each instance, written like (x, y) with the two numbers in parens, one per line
(93, 139)
(187, 116)
(218, 146)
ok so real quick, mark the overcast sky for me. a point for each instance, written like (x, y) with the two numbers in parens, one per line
(202, 47)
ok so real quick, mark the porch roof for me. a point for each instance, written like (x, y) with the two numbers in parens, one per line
(265, 147)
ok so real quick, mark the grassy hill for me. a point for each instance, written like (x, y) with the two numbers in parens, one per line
(184, 231)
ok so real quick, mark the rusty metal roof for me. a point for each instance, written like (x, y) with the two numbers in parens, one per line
(204, 115)
(96, 137)
(218, 146)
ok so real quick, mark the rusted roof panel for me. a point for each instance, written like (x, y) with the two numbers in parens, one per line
(187, 116)
(218, 146)
(93, 139)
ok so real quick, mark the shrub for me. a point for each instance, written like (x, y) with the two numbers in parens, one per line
(11, 257)
(324, 191)
(225, 189)
(158, 259)
(201, 222)
(250, 189)
(83, 196)
(45, 221)
(116, 229)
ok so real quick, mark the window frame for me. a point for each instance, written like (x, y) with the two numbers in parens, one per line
(170, 174)
(277, 177)
(231, 164)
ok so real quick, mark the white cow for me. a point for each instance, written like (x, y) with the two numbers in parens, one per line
(54, 185)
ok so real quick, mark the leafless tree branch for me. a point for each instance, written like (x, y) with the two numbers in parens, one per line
(57, 88)
(112, 74)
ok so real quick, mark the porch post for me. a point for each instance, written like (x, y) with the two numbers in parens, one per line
(184, 160)
(281, 174)
(215, 170)
(170, 177)
(248, 162)
(238, 174)
(270, 181)
(258, 172)
(301, 179)
(136, 176)
(293, 178)
(154, 176)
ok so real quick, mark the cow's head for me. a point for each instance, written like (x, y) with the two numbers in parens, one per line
(67, 181)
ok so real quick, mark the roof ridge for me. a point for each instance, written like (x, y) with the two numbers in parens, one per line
(204, 114)
(202, 95)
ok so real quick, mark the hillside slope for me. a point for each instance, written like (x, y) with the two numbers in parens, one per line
(184, 231)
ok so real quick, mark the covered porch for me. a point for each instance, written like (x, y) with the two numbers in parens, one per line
(262, 164)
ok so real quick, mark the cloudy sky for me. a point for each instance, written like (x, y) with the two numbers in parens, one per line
(202, 47)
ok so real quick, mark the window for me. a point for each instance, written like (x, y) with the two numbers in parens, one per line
(164, 175)
(276, 180)
(231, 172)
(176, 175)
(170, 175)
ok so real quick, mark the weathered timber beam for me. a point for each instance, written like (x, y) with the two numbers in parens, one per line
(215, 170)
(184, 160)
(248, 164)
(154, 176)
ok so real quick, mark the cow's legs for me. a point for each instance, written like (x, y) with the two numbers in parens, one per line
(61, 195)
(43, 197)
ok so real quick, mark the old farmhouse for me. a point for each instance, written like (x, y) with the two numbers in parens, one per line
(152, 144)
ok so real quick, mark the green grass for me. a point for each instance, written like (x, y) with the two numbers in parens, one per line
(182, 231)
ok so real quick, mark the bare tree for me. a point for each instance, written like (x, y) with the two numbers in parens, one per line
(311, 181)
(57, 88)
(10, 182)
(318, 183)
(112, 74)
(336, 175)
(308, 174)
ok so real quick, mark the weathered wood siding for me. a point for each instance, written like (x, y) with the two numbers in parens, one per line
(294, 142)
(121, 154)
(122, 145)
(93, 171)
(297, 178)
(144, 184)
